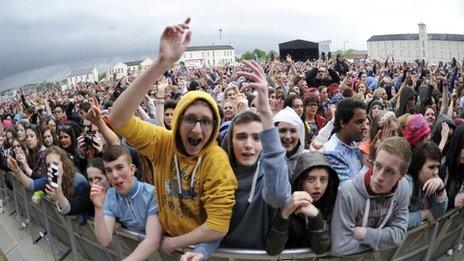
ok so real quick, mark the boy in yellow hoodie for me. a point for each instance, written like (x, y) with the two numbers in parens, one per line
(194, 181)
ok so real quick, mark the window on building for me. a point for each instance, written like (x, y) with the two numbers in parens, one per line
(423, 53)
(423, 44)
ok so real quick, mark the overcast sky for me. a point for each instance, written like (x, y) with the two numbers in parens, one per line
(44, 39)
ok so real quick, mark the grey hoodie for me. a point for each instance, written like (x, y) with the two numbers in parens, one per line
(259, 194)
(289, 115)
(349, 212)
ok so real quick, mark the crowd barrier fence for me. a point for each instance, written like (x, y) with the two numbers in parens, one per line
(427, 242)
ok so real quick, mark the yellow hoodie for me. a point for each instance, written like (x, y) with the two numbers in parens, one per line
(212, 196)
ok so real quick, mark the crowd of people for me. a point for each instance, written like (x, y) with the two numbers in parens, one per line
(326, 154)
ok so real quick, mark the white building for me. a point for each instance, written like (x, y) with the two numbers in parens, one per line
(137, 67)
(409, 47)
(211, 55)
(118, 70)
(82, 75)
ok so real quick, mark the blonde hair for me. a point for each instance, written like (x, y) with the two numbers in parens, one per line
(402, 123)
(400, 147)
(378, 92)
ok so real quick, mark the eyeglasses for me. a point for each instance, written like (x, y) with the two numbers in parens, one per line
(191, 122)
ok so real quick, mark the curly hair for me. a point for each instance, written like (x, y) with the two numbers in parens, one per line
(69, 170)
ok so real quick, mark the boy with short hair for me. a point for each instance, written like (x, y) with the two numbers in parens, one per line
(371, 209)
(129, 201)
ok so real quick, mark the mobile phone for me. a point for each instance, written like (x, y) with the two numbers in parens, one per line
(54, 170)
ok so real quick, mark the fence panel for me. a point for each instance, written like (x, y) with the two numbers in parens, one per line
(427, 242)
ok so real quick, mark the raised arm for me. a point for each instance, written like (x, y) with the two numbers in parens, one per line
(104, 225)
(172, 45)
(94, 115)
(277, 188)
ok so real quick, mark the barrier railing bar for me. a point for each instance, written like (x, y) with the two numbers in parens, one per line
(442, 229)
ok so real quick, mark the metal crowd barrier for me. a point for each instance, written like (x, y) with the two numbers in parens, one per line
(427, 242)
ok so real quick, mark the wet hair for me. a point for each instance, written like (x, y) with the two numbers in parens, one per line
(345, 112)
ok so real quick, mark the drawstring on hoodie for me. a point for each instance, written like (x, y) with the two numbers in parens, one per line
(253, 184)
(192, 178)
(366, 212)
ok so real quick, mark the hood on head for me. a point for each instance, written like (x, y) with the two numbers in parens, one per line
(189, 98)
(436, 131)
(406, 94)
(226, 143)
(309, 160)
(290, 116)
(454, 149)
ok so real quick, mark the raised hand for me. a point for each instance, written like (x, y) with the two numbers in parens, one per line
(173, 43)
(97, 195)
(258, 83)
(12, 164)
(94, 115)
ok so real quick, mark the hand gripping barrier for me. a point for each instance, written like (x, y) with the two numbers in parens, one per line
(427, 242)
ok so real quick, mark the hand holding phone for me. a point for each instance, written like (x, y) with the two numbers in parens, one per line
(54, 171)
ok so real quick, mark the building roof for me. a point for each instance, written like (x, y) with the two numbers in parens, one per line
(78, 72)
(298, 44)
(415, 37)
(134, 63)
(210, 47)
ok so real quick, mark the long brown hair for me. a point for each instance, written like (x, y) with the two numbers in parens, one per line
(69, 170)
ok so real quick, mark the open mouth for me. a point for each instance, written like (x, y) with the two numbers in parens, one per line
(248, 154)
(194, 142)
(287, 143)
(118, 184)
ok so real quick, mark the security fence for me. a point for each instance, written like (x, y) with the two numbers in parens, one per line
(43, 221)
